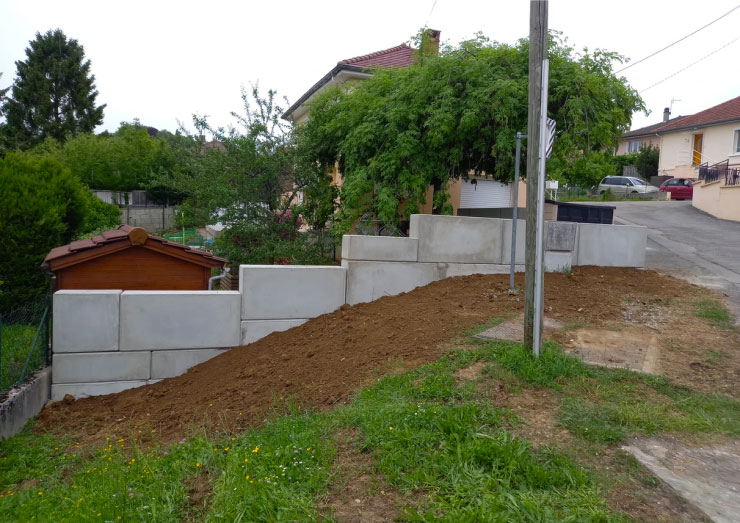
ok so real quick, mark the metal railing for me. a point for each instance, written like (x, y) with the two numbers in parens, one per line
(719, 171)
(24, 342)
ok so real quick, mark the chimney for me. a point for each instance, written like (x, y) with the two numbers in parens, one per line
(433, 35)
(666, 114)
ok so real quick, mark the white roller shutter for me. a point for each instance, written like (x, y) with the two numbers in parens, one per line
(485, 194)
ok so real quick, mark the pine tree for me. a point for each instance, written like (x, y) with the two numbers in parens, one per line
(53, 94)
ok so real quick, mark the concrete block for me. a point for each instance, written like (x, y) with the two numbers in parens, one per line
(85, 321)
(24, 403)
(84, 390)
(101, 366)
(253, 330)
(449, 270)
(171, 363)
(379, 248)
(560, 236)
(611, 245)
(370, 280)
(161, 320)
(458, 239)
(278, 292)
(521, 240)
(558, 261)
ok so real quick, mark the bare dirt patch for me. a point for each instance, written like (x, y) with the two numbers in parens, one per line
(358, 493)
(471, 373)
(322, 362)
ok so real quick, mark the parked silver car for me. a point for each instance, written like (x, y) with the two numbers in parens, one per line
(624, 185)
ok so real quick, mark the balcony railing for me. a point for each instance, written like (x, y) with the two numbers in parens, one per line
(719, 171)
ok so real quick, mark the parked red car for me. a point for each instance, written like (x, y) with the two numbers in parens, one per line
(680, 188)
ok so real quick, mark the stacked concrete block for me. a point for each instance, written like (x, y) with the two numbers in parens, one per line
(611, 245)
(86, 320)
(458, 239)
(272, 294)
(379, 248)
(370, 280)
(161, 320)
(171, 363)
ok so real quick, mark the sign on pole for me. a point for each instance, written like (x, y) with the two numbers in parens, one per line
(550, 136)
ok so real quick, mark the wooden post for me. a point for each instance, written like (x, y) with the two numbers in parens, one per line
(537, 53)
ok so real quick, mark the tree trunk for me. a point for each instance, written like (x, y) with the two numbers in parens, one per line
(437, 207)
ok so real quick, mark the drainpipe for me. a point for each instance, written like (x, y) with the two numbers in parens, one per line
(214, 278)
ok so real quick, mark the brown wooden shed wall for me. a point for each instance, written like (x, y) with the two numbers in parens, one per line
(135, 268)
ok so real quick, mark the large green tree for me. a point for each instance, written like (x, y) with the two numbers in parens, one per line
(53, 94)
(456, 114)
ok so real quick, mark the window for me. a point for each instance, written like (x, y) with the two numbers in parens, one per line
(634, 146)
(637, 181)
(672, 182)
(736, 142)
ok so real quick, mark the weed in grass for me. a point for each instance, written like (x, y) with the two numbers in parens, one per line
(715, 312)
(715, 357)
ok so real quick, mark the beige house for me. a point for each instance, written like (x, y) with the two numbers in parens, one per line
(635, 141)
(477, 192)
(706, 145)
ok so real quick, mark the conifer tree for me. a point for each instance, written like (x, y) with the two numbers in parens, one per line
(53, 94)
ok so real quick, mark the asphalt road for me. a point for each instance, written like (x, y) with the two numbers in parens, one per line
(688, 243)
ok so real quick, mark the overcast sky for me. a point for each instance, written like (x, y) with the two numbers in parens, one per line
(163, 61)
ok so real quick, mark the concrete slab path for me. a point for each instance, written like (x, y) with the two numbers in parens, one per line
(707, 477)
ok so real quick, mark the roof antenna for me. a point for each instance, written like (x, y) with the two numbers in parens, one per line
(674, 100)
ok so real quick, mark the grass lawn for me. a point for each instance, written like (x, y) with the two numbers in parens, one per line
(445, 441)
(16, 342)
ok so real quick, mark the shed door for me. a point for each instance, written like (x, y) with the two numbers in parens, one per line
(485, 194)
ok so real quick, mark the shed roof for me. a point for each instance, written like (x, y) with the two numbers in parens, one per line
(123, 237)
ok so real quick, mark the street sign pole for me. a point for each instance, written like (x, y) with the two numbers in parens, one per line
(539, 276)
(515, 211)
(537, 53)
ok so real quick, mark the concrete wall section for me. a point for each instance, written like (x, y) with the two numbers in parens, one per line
(253, 330)
(24, 403)
(611, 245)
(84, 390)
(450, 270)
(86, 320)
(457, 239)
(101, 366)
(379, 248)
(278, 292)
(160, 320)
(521, 240)
(369, 280)
(171, 363)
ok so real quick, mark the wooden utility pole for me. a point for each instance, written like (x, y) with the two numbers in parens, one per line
(537, 53)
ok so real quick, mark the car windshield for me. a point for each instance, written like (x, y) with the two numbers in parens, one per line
(637, 181)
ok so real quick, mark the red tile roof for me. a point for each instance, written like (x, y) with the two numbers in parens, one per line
(121, 234)
(725, 112)
(399, 56)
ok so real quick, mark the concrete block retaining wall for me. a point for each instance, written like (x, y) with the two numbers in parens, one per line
(107, 341)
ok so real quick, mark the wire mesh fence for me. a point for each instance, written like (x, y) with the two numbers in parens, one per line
(24, 341)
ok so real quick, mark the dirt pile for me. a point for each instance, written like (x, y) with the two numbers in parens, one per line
(322, 362)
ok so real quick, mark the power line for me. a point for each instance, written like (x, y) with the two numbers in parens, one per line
(679, 40)
(432, 10)
(691, 64)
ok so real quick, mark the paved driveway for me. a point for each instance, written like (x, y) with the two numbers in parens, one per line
(688, 243)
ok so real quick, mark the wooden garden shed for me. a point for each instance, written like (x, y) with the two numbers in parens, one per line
(129, 258)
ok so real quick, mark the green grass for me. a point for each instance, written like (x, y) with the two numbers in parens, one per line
(715, 312)
(16, 342)
(438, 441)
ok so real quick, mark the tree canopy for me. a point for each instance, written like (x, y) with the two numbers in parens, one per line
(53, 94)
(251, 179)
(455, 114)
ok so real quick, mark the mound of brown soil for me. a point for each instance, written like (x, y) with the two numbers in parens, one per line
(325, 360)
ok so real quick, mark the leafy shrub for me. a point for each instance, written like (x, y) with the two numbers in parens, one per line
(44, 206)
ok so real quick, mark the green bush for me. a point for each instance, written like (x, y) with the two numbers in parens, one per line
(43, 206)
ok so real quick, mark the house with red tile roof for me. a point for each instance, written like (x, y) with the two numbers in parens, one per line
(710, 137)
(706, 145)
